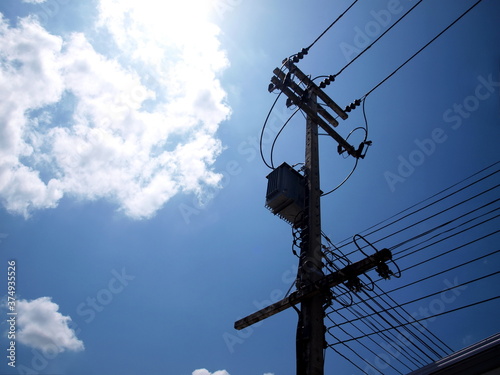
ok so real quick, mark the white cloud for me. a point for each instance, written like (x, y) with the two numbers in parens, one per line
(136, 128)
(34, 1)
(206, 372)
(41, 326)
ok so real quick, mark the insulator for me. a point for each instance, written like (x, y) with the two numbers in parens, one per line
(357, 102)
(289, 102)
(287, 79)
(347, 109)
(331, 78)
(304, 51)
(295, 59)
(322, 84)
(353, 105)
(384, 271)
(300, 55)
(271, 87)
(354, 284)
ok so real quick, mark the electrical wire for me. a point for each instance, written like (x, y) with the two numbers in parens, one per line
(306, 50)
(344, 181)
(408, 352)
(385, 310)
(396, 307)
(440, 200)
(446, 270)
(370, 325)
(362, 344)
(405, 317)
(398, 321)
(421, 49)
(277, 135)
(350, 361)
(422, 319)
(449, 230)
(355, 352)
(434, 275)
(437, 214)
(446, 252)
(357, 159)
(447, 350)
(429, 231)
(468, 228)
(341, 243)
(263, 129)
(380, 36)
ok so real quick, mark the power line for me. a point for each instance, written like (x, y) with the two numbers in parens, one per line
(298, 56)
(448, 230)
(419, 203)
(398, 321)
(424, 328)
(423, 297)
(370, 324)
(429, 231)
(446, 252)
(440, 200)
(439, 213)
(376, 40)
(433, 275)
(429, 342)
(357, 159)
(264, 128)
(444, 271)
(352, 350)
(421, 49)
(362, 332)
(422, 319)
(405, 315)
(279, 132)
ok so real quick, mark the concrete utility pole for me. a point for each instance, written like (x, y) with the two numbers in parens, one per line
(311, 329)
(312, 285)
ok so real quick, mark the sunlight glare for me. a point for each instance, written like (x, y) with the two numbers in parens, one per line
(182, 21)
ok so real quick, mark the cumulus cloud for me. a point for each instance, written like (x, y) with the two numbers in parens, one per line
(136, 128)
(206, 372)
(41, 326)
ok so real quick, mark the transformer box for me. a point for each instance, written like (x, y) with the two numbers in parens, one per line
(286, 193)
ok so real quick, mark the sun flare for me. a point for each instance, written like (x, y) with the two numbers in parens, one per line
(173, 19)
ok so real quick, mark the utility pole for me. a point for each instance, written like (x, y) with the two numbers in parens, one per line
(303, 211)
(311, 329)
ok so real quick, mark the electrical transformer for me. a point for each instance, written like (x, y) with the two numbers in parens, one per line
(286, 193)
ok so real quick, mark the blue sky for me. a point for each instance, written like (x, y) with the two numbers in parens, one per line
(133, 191)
